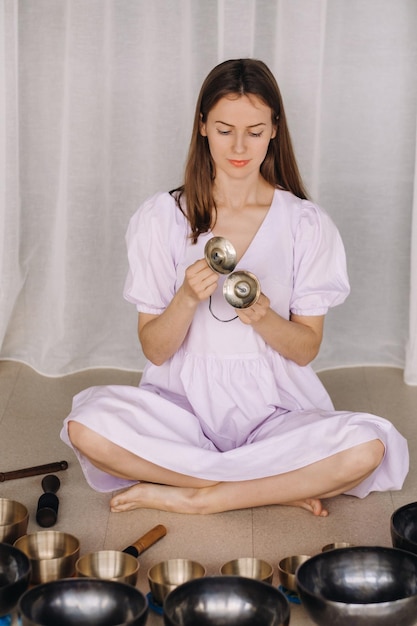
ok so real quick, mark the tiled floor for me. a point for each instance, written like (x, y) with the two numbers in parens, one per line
(32, 408)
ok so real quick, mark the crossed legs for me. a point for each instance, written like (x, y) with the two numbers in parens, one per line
(163, 489)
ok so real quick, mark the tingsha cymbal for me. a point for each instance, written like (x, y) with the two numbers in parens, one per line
(241, 289)
(220, 255)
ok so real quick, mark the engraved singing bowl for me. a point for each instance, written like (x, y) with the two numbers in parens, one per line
(360, 586)
(287, 568)
(226, 601)
(52, 554)
(109, 565)
(241, 289)
(249, 568)
(14, 577)
(220, 255)
(14, 518)
(165, 576)
(83, 602)
(403, 527)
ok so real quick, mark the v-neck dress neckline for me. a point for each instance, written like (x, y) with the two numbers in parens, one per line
(257, 233)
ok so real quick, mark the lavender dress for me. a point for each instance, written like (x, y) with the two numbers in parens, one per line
(226, 406)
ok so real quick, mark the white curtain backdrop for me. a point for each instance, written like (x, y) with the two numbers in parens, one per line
(96, 106)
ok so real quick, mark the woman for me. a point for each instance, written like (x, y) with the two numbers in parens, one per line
(229, 414)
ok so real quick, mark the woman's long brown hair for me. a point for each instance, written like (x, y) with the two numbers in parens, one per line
(279, 168)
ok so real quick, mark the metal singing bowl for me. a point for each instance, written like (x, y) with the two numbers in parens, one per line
(403, 527)
(249, 568)
(14, 518)
(83, 602)
(167, 575)
(110, 565)
(226, 601)
(220, 255)
(241, 289)
(14, 576)
(337, 545)
(52, 554)
(360, 586)
(287, 568)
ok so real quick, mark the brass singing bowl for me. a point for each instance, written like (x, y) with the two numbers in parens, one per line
(220, 255)
(226, 601)
(287, 568)
(337, 546)
(360, 586)
(83, 602)
(14, 576)
(14, 519)
(108, 565)
(52, 554)
(249, 568)
(241, 289)
(403, 527)
(165, 576)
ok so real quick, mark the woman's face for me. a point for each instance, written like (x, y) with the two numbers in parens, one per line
(238, 130)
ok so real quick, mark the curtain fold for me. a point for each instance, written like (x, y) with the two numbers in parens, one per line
(410, 371)
(11, 275)
(96, 107)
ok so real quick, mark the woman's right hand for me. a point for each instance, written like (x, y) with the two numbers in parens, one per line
(200, 281)
(161, 335)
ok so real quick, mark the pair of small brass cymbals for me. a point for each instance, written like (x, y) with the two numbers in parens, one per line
(241, 289)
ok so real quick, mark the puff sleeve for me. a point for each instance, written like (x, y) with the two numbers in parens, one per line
(320, 274)
(155, 236)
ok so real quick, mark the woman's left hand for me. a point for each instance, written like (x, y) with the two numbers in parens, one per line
(255, 312)
(297, 338)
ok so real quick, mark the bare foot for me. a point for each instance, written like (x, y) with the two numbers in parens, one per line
(183, 500)
(313, 505)
(152, 496)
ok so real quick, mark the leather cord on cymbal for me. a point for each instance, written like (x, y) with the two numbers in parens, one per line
(218, 318)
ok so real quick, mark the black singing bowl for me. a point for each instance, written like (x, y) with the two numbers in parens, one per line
(14, 576)
(226, 601)
(404, 528)
(360, 586)
(82, 602)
